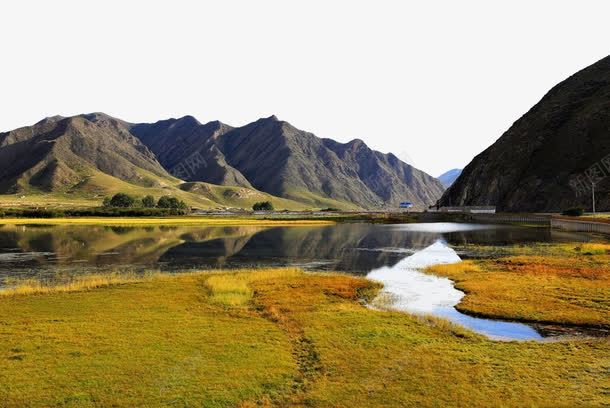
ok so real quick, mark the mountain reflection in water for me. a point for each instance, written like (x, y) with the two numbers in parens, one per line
(45, 251)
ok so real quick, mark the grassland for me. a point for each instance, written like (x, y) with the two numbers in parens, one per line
(23, 287)
(271, 219)
(95, 185)
(268, 337)
(553, 283)
(239, 197)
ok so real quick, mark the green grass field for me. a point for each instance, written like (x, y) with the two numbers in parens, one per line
(275, 337)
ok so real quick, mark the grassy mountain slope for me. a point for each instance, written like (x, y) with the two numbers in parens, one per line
(81, 159)
(233, 196)
(56, 154)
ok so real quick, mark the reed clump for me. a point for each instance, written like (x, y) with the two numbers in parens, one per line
(23, 287)
(234, 289)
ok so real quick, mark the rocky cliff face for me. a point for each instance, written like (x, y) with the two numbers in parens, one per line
(548, 158)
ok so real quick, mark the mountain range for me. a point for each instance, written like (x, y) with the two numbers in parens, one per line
(208, 165)
(549, 158)
(449, 177)
(275, 157)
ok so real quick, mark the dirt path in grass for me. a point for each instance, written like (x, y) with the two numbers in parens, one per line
(309, 367)
(288, 305)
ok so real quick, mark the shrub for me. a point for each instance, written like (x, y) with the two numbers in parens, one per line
(122, 200)
(148, 202)
(263, 206)
(171, 202)
(574, 212)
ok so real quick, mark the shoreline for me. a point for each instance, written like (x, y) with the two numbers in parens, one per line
(183, 220)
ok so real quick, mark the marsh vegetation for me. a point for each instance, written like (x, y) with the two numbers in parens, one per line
(562, 283)
(277, 336)
(274, 337)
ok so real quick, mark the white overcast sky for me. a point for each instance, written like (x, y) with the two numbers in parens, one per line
(437, 80)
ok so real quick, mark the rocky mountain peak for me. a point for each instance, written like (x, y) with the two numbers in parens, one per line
(546, 160)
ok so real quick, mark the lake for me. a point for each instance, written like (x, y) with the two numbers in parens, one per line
(392, 254)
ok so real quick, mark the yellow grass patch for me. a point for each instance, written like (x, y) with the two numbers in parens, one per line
(290, 339)
(17, 287)
(593, 248)
(570, 283)
(186, 220)
(461, 268)
(234, 289)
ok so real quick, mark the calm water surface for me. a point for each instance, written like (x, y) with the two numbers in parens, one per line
(393, 254)
(420, 293)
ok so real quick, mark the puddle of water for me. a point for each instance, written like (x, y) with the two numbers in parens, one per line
(413, 291)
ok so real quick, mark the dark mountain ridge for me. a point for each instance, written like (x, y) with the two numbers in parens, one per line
(548, 158)
(275, 157)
